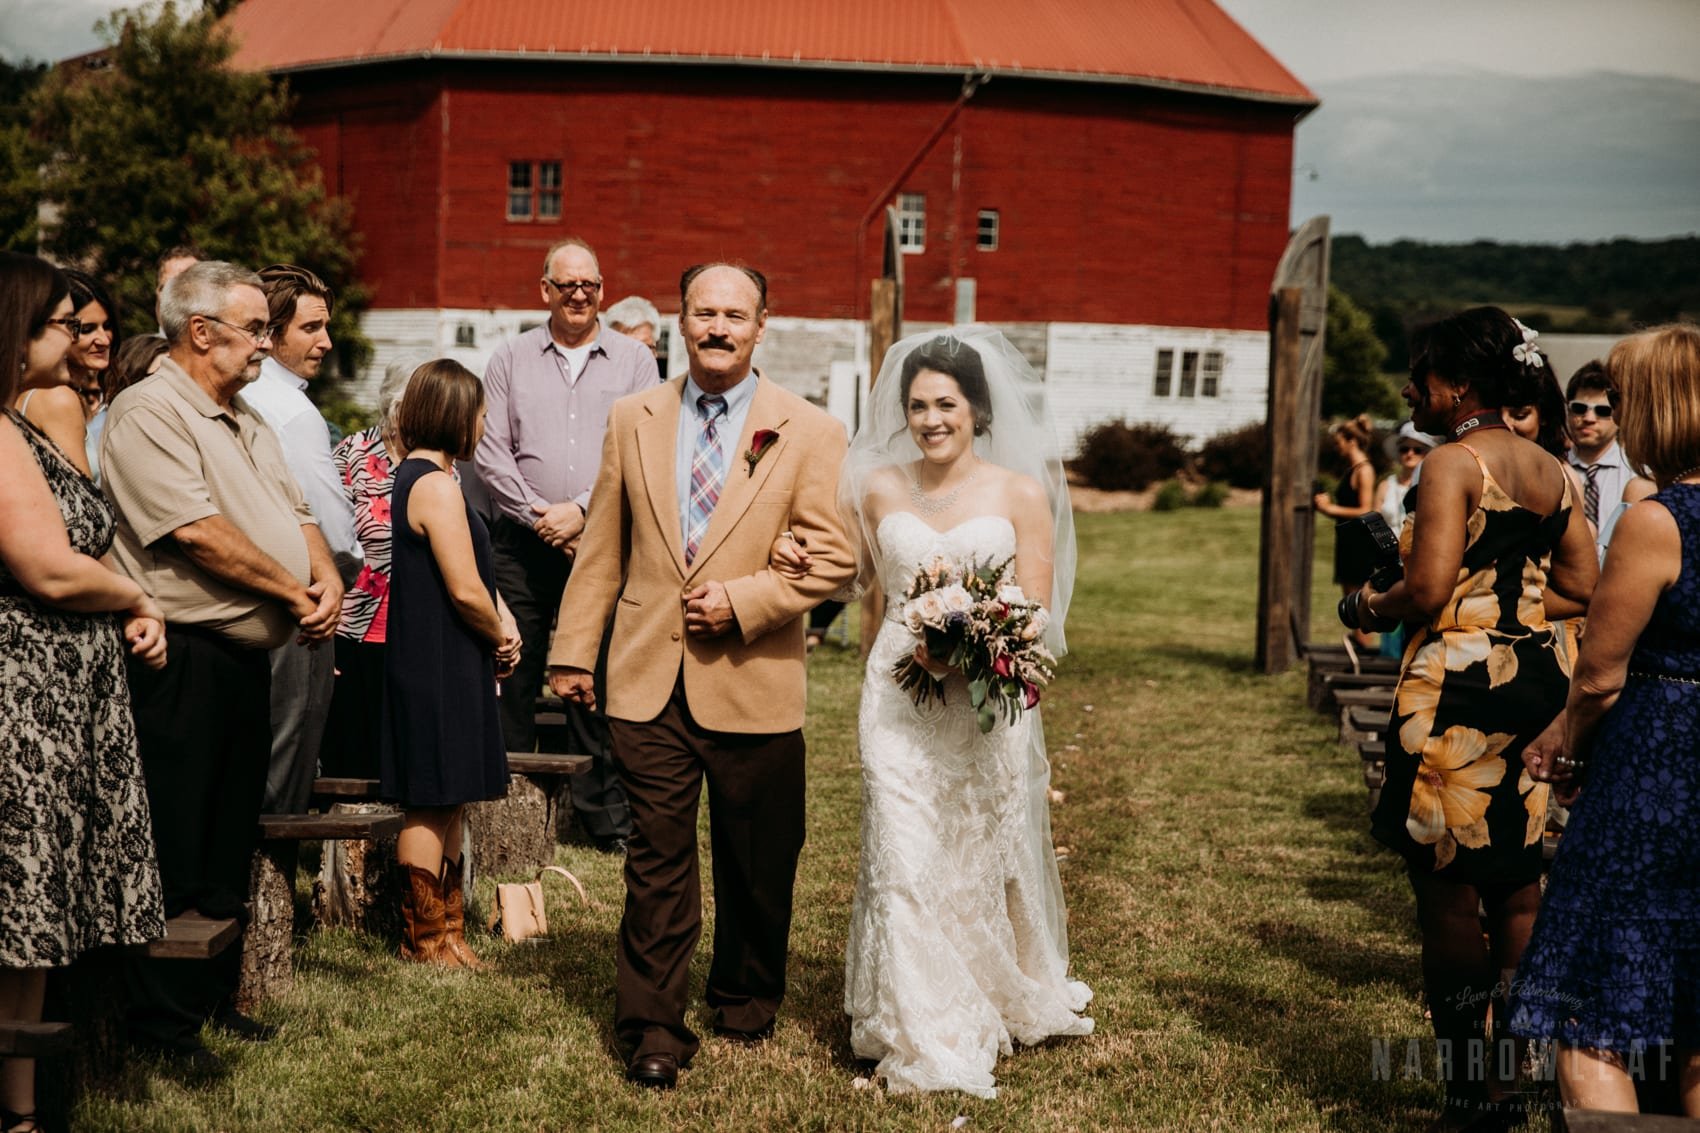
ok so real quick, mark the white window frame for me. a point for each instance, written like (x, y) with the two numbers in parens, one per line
(912, 223)
(983, 229)
(1210, 374)
(1163, 380)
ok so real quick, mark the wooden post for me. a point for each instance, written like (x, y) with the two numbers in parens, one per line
(1298, 320)
(1276, 610)
(885, 326)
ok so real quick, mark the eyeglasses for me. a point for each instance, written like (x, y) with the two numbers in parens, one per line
(568, 286)
(70, 324)
(1583, 408)
(264, 334)
(1406, 450)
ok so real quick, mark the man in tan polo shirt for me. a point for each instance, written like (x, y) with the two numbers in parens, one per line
(212, 524)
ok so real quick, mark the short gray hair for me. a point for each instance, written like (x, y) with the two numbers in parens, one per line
(632, 311)
(200, 289)
(394, 385)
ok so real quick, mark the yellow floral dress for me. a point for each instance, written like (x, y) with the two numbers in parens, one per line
(1479, 682)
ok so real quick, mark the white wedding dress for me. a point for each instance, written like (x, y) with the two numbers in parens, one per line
(957, 939)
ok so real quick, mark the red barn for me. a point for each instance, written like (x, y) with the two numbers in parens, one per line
(1109, 179)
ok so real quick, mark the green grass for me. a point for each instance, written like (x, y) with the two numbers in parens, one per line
(1245, 938)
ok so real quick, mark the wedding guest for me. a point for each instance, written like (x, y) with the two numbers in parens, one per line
(60, 408)
(1496, 549)
(299, 311)
(1353, 496)
(1612, 970)
(365, 462)
(1608, 480)
(550, 391)
(135, 360)
(449, 639)
(1406, 448)
(173, 263)
(636, 317)
(1542, 421)
(211, 522)
(76, 856)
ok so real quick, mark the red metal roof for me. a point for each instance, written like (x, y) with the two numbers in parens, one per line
(1189, 44)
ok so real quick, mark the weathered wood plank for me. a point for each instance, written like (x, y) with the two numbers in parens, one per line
(34, 1040)
(359, 789)
(1593, 1121)
(547, 763)
(327, 826)
(190, 936)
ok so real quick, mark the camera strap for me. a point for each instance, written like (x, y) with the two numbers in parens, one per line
(1477, 421)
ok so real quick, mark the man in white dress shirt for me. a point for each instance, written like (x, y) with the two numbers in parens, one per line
(1607, 480)
(300, 311)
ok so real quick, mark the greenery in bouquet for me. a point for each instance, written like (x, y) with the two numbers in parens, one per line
(974, 619)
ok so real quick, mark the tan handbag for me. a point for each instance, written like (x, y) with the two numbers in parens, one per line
(519, 913)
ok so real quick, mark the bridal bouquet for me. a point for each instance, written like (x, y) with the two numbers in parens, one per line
(984, 628)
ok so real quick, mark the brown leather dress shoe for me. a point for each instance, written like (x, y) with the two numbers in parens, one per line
(654, 1071)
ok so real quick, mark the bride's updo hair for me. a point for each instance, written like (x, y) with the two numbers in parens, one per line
(959, 361)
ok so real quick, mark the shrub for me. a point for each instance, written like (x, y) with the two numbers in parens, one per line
(1170, 497)
(1213, 494)
(1117, 456)
(1237, 456)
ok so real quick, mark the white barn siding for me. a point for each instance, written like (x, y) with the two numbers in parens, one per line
(1099, 372)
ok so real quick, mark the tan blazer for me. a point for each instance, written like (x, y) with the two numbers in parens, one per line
(631, 564)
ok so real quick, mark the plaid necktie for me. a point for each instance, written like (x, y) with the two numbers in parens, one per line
(708, 470)
(1591, 494)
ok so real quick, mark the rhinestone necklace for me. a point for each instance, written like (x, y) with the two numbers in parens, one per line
(931, 505)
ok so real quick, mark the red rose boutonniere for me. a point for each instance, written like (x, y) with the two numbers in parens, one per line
(759, 444)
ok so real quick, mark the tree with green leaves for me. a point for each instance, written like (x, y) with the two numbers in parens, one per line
(168, 144)
(20, 155)
(1352, 381)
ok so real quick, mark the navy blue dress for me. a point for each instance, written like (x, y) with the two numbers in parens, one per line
(442, 738)
(1614, 963)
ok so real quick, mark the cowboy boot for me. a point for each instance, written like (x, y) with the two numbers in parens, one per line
(422, 921)
(454, 918)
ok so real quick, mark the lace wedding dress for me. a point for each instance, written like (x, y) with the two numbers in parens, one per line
(957, 937)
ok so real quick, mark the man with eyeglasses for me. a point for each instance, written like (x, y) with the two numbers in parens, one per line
(212, 524)
(548, 392)
(299, 312)
(1607, 480)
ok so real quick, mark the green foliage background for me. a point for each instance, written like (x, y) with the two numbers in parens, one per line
(168, 144)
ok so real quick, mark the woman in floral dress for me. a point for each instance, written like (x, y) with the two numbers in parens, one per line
(1494, 549)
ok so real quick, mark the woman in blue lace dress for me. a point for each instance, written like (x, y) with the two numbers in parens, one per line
(1613, 969)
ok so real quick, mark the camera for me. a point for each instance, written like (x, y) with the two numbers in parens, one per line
(1367, 537)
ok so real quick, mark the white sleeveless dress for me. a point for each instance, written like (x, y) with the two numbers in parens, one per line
(957, 940)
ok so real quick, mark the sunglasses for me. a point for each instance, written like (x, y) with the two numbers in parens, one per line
(1583, 408)
(1406, 450)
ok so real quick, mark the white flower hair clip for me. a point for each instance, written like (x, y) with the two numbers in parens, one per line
(1526, 351)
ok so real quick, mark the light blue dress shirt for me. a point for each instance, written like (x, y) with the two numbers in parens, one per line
(727, 431)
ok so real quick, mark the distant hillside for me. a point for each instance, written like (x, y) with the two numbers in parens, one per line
(1603, 288)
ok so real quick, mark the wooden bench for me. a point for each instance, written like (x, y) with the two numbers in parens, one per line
(33, 1040)
(353, 790)
(1324, 685)
(191, 936)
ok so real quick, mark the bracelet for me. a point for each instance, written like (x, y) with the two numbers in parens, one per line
(1369, 607)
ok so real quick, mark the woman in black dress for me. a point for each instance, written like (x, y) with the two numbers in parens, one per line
(1495, 551)
(450, 638)
(1354, 496)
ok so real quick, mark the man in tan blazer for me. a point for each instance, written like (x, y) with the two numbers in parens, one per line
(706, 666)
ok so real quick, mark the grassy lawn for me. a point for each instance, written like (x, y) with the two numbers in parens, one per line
(1246, 939)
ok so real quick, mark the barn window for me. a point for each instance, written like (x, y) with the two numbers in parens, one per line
(534, 190)
(1210, 374)
(1189, 373)
(912, 222)
(1165, 373)
(986, 238)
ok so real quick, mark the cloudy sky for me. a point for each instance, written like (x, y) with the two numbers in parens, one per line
(1547, 120)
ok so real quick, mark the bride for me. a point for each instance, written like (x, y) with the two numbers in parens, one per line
(958, 946)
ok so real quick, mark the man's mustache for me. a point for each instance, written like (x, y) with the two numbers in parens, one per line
(715, 342)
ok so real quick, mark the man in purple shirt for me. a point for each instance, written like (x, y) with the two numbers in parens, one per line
(548, 393)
